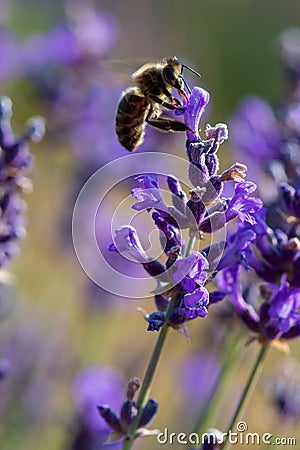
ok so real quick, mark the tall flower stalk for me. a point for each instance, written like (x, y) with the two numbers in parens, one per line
(181, 294)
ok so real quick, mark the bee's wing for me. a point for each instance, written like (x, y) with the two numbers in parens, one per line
(118, 71)
(126, 66)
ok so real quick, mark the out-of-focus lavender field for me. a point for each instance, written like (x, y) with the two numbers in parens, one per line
(67, 345)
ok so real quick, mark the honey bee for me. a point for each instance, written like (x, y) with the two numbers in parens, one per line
(143, 103)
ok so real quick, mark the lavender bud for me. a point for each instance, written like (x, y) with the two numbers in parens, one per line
(110, 417)
(196, 204)
(156, 320)
(128, 413)
(237, 173)
(35, 129)
(133, 386)
(148, 413)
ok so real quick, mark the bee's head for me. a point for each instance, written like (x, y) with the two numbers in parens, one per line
(172, 73)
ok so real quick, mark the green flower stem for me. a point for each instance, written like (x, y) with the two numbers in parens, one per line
(152, 366)
(190, 246)
(253, 377)
(205, 418)
(148, 379)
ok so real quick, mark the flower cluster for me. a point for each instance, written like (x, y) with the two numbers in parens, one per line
(185, 274)
(270, 257)
(15, 164)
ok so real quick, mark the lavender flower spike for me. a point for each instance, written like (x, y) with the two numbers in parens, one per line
(15, 164)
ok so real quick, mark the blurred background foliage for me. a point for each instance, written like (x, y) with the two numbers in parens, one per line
(52, 326)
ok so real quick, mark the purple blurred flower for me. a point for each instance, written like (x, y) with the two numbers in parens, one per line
(255, 137)
(5, 367)
(64, 68)
(254, 130)
(275, 255)
(10, 57)
(291, 201)
(268, 140)
(95, 385)
(39, 363)
(92, 386)
(87, 36)
(289, 47)
(284, 391)
(15, 164)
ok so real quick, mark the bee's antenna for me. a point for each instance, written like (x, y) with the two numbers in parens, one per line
(191, 70)
(186, 85)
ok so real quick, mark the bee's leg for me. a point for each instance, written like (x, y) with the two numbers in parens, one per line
(171, 98)
(165, 124)
(177, 101)
(165, 104)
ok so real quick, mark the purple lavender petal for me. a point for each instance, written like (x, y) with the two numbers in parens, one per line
(198, 100)
(128, 242)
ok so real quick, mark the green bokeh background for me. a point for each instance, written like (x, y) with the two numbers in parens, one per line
(233, 44)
